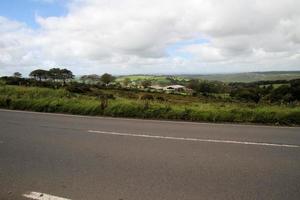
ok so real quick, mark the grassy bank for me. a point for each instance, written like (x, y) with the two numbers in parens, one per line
(62, 101)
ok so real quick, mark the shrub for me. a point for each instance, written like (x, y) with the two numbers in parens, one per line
(78, 88)
(147, 97)
(160, 98)
(292, 118)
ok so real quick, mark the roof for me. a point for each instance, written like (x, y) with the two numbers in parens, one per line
(175, 86)
(157, 87)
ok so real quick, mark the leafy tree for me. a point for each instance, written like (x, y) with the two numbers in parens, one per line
(84, 78)
(93, 78)
(295, 87)
(248, 94)
(173, 80)
(17, 75)
(60, 74)
(126, 82)
(206, 87)
(65, 75)
(107, 78)
(193, 84)
(39, 74)
(281, 93)
(55, 74)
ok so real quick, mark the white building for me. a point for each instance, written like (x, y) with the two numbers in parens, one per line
(174, 88)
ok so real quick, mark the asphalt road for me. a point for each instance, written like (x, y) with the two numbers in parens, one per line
(88, 158)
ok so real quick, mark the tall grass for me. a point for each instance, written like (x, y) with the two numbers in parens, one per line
(62, 101)
(47, 100)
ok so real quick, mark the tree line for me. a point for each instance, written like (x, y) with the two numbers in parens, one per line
(55, 74)
(278, 91)
(61, 75)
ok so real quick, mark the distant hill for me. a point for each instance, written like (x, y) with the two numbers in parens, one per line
(235, 77)
(250, 76)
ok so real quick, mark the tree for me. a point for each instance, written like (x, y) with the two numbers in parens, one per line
(126, 82)
(17, 75)
(93, 78)
(248, 94)
(193, 84)
(55, 74)
(173, 80)
(84, 78)
(60, 74)
(39, 74)
(206, 87)
(295, 88)
(279, 93)
(65, 75)
(107, 78)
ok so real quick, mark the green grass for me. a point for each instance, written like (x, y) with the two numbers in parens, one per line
(46, 100)
(177, 108)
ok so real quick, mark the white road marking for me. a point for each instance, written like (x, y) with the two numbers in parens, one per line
(195, 139)
(42, 196)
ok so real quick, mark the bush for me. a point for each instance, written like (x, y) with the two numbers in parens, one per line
(292, 118)
(147, 97)
(247, 94)
(78, 88)
(160, 98)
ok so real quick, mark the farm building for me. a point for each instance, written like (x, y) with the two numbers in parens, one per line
(175, 88)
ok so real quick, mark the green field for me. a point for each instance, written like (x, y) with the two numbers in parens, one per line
(236, 77)
(156, 80)
(128, 104)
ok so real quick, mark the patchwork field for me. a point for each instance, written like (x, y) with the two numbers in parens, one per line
(235, 77)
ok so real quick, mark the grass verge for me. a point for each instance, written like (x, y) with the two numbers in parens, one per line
(62, 101)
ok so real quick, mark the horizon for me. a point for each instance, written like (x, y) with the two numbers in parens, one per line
(137, 37)
(178, 74)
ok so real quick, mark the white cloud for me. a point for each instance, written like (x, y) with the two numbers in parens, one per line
(132, 36)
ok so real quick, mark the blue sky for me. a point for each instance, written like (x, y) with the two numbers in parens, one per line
(26, 10)
(174, 50)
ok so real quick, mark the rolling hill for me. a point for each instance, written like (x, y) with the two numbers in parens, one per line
(234, 77)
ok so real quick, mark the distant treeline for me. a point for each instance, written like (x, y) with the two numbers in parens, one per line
(275, 91)
(53, 78)
(279, 91)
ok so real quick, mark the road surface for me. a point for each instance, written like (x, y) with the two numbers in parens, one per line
(59, 157)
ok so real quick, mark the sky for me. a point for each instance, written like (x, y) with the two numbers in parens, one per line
(149, 37)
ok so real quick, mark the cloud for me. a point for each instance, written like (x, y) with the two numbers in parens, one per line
(134, 36)
(15, 44)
